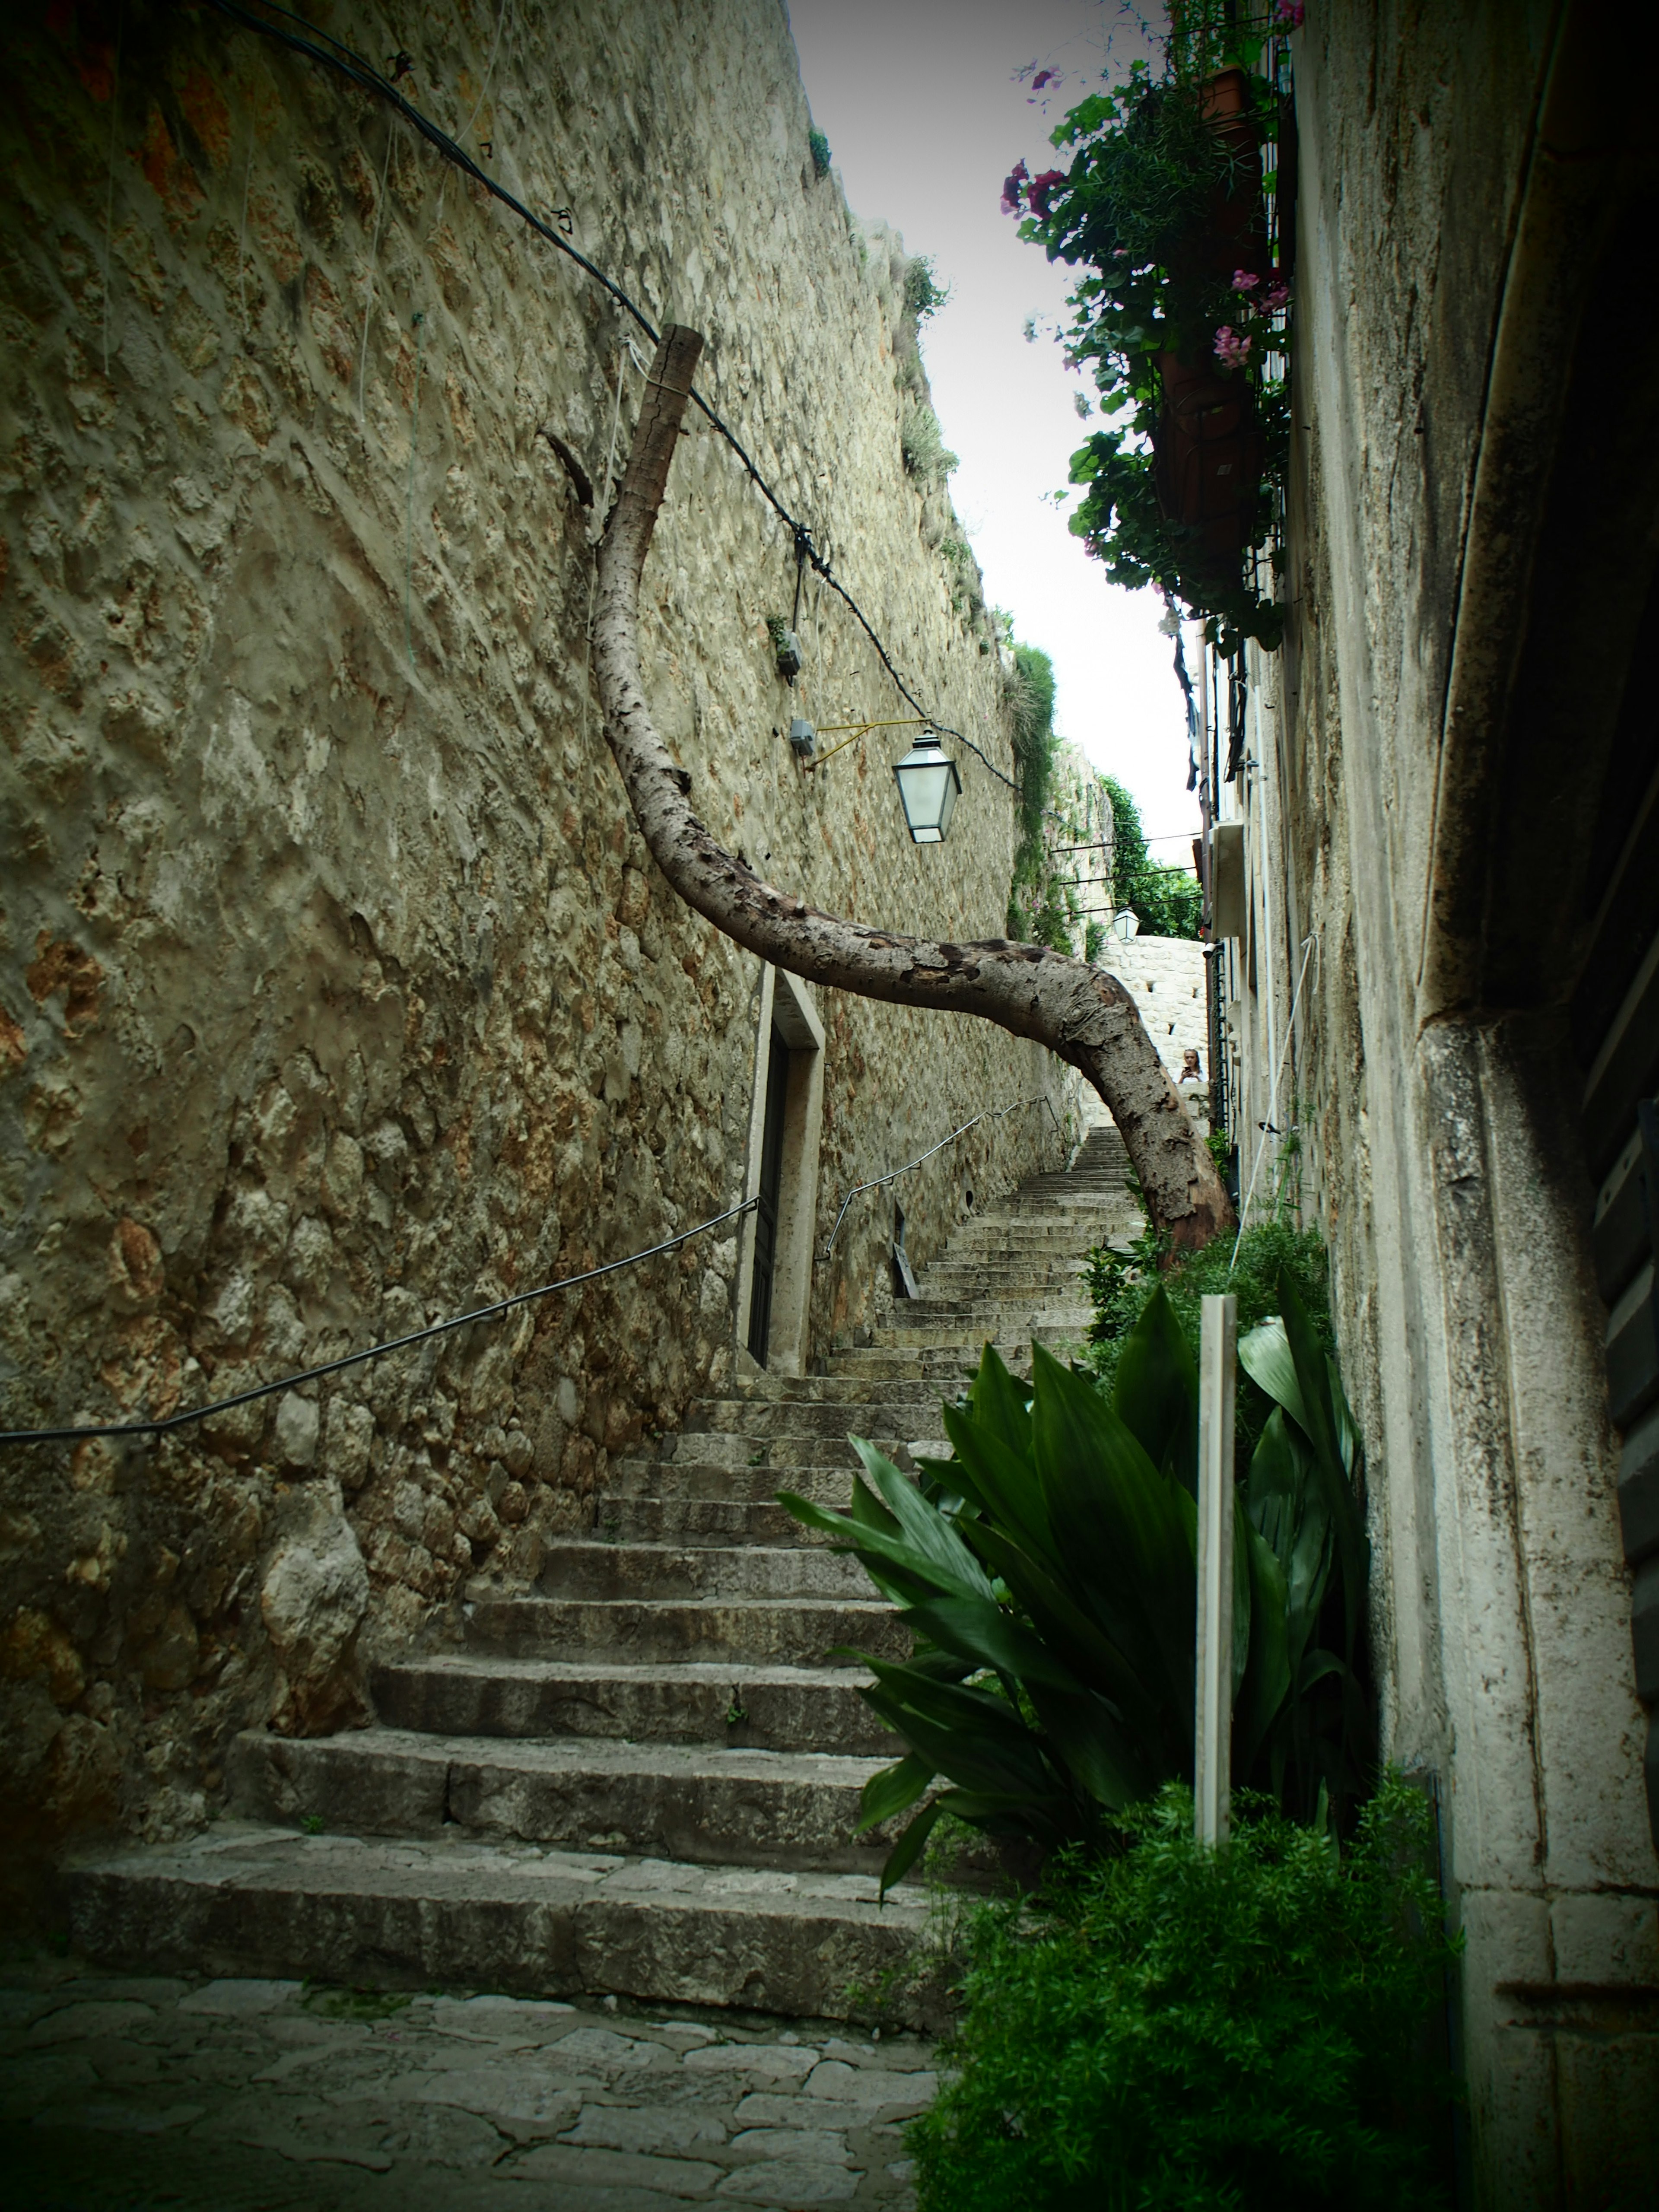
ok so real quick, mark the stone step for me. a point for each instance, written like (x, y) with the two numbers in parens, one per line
(252, 1900)
(941, 1336)
(781, 1708)
(823, 1390)
(785, 1631)
(592, 1569)
(699, 1803)
(711, 1521)
(1050, 1309)
(735, 1454)
(710, 1482)
(740, 1417)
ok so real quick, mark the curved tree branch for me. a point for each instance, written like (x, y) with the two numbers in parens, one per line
(1080, 1013)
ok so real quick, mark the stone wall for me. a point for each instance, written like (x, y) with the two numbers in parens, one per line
(338, 993)
(1442, 1164)
(1166, 975)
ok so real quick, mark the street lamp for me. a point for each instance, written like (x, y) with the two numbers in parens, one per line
(1124, 924)
(929, 787)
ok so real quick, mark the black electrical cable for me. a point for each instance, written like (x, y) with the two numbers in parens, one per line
(354, 66)
(356, 1358)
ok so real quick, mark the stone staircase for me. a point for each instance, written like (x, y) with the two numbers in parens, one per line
(642, 1777)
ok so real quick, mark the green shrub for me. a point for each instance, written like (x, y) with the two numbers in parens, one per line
(1122, 1285)
(1178, 2027)
(818, 147)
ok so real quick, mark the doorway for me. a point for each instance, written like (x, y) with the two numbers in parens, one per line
(766, 1209)
(774, 1277)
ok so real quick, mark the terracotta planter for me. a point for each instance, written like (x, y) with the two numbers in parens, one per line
(1209, 451)
(1234, 235)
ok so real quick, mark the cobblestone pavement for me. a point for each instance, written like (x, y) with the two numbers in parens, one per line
(129, 2093)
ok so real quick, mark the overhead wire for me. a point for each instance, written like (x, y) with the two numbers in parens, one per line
(347, 62)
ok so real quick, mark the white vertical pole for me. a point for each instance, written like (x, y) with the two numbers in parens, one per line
(1212, 1765)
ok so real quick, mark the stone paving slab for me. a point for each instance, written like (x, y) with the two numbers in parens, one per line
(130, 2092)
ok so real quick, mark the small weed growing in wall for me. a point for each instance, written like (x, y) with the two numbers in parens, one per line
(922, 444)
(818, 146)
(924, 295)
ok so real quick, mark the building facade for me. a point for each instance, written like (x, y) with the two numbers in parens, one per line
(1433, 884)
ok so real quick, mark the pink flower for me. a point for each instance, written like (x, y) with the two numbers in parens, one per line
(1013, 185)
(1044, 76)
(1277, 296)
(1039, 188)
(1231, 351)
(1289, 14)
(1243, 281)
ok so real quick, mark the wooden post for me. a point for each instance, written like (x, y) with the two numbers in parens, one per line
(1217, 1363)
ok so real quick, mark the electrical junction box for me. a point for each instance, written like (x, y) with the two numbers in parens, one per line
(1227, 879)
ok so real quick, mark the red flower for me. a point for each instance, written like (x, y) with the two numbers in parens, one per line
(1040, 186)
(1013, 185)
(1044, 76)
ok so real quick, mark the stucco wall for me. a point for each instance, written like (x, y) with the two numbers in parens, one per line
(338, 992)
(1442, 1159)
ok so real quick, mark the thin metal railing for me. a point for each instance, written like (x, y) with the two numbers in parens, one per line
(160, 1427)
(879, 1182)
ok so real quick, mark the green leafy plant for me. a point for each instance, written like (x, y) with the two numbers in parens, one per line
(921, 443)
(1049, 1582)
(1179, 2027)
(1121, 1284)
(818, 147)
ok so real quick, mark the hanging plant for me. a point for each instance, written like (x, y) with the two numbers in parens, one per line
(1181, 319)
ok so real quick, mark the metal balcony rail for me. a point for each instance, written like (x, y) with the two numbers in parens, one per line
(879, 1182)
(160, 1427)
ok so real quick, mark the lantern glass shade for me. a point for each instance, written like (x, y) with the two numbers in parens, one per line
(1125, 923)
(929, 787)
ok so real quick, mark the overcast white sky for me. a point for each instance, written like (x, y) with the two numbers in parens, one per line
(924, 120)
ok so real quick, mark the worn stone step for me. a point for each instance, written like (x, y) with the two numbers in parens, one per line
(818, 1390)
(246, 1900)
(737, 1454)
(740, 1417)
(682, 1481)
(592, 1569)
(700, 1803)
(782, 1708)
(705, 1521)
(939, 1336)
(787, 1632)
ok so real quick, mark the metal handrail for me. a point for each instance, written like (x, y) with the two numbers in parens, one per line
(878, 1182)
(374, 1351)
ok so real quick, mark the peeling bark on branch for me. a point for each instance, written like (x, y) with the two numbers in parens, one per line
(1086, 1017)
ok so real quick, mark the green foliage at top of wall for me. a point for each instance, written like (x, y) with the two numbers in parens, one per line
(1166, 902)
(1039, 910)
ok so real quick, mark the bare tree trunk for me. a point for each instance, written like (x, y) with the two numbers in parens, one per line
(1086, 1017)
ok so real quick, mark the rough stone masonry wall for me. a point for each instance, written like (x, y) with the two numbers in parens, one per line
(336, 993)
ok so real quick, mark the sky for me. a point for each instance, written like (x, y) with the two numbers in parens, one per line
(919, 101)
